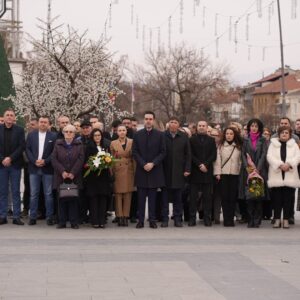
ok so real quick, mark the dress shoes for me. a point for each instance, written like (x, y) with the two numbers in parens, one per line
(153, 225)
(32, 222)
(292, 221)
(178, 224)
(17, 222)
(192, 223)
(50, 222)
(60, 226)
(139, 225)
(164, 224)
(3, 221)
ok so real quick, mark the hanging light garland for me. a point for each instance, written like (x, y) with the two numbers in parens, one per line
(150, 39)
(230, 29)
(132, 14)
(181, 17)
(249, 52)
(170, 32)
(216, 24)
(203, 16)
(247, 27)
(235, 36)
(158, 39)
(143, 37)
(294, 9)
(269, 18)
(110, 16)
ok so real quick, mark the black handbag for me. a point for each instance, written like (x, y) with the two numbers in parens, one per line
(68, 190)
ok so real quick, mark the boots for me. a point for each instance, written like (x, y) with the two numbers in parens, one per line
(286, 224)
(277, 223)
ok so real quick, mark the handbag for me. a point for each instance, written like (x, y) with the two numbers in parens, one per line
(68, 190)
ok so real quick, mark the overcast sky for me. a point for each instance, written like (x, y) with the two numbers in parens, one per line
(246, 65)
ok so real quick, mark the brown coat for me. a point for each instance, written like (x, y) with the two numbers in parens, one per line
(123, 170)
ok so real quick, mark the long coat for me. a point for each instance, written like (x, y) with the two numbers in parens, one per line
(291, 178)
(123, 170)
(94, 184)
(204, 151)
(69, 160)
(149, 146)
(258, 156)
(177, 160)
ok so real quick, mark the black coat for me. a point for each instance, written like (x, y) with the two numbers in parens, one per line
(204, 151)
(94, 184)
(149, 147)
(258, 156)
(177, 160)
(17, 146)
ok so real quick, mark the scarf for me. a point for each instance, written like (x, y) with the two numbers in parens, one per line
(254, 138)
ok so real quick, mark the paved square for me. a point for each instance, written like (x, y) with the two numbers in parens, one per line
(43, 263)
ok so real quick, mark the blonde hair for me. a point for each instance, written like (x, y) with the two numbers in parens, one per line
(69, 127)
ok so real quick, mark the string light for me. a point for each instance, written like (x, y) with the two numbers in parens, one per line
(203, 16)
(249, 52)
(247, 27)
(216, 24)
(230, 29)
(158, 40)
(150, 39)
(294, 9)
(143, 37)
(170, 32)
(269, 18)
(181, 17)
(110, 16)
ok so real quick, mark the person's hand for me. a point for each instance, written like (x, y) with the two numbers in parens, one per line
(148, 167)
(203, 168)
(285, 167)
(218, 177)
(71, 176)
(40, 163)
(186, 174)
(6, 162)
(65, 175)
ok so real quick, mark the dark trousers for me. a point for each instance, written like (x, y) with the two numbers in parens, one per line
(174, 196)
(98, 207)
(134, 206)
(205, 189)
(216, 202)
(26, 194)
(143, 193)
(283, 198)
(254, 208)
(68, 210)
(229, 188)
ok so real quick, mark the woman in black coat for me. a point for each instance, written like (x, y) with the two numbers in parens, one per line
(98, 188)
(256, 146)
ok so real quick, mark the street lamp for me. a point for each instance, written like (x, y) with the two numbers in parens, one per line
(2, 7)
(283, 110)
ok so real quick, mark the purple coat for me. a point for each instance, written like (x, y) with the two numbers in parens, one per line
(67, 159)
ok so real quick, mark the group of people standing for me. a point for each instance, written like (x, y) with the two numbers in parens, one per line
(200, 170)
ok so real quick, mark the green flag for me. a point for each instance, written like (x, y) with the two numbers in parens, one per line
(6, 80)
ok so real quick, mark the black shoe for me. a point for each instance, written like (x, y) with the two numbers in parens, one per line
(3, 221)
(120, 221)
(292, 221)
(74, 226)
(192, 223)
(178, 224)
(164, 224)
(50, 222)
(32, 222)
(153, 225)
(60, 226)
(139, 225)
(17, 222)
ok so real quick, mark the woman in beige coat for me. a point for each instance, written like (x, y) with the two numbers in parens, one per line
(227, 169)
(123, 172)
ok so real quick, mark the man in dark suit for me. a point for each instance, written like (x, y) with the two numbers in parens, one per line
(39, 147)
(177, 166)
(149, 150)
(204, 153)
(12, 141)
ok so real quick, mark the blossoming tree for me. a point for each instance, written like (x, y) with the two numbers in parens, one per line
(71, 75)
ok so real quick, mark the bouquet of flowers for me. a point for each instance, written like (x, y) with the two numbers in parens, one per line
(255, 183)
(96, 163)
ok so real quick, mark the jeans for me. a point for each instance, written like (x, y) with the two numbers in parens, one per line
(35, 185)
(10, 175)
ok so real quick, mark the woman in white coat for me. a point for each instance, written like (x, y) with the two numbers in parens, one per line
(283, 157)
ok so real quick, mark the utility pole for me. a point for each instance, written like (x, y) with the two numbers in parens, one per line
(283, 110)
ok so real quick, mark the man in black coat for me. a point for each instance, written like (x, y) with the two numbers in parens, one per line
(149, 150)
(204, 153)
(177, 166)
(12, 144)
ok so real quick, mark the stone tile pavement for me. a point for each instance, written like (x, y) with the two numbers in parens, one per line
(43, 263)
